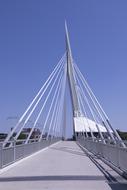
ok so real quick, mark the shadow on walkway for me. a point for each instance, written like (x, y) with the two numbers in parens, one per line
(114, 186)
(118, 186)
(52, 178)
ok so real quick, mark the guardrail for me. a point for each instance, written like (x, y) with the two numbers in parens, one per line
(9, 155)
(115, 155)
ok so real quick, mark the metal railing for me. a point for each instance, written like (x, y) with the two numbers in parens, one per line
(115, 155)
(9, 155)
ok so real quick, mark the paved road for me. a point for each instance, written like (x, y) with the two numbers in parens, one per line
(63, 166)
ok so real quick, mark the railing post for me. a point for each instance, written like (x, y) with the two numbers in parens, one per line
(14, 144)
(1, 155)
(118, 157)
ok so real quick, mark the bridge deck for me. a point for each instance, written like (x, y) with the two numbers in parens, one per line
(61, 166)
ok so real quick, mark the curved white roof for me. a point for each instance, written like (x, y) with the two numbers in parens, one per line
(83, 124)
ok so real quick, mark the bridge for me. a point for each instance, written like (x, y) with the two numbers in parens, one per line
(94, 158)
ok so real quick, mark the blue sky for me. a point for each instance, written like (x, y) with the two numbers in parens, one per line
(32, 40)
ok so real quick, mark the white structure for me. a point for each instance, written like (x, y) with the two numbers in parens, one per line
(83, 124)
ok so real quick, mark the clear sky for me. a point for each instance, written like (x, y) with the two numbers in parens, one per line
(32, 40)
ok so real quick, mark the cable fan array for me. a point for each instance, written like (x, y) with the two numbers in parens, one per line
(46, 110)
(93, 118)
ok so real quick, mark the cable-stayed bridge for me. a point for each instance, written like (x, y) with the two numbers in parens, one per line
(96, 156)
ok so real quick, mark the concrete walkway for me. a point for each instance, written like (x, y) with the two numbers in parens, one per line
(63, 166)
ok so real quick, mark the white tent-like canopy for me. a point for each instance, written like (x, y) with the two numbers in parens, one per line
(83, 124)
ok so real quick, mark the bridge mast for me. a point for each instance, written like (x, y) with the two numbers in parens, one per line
(71, 79)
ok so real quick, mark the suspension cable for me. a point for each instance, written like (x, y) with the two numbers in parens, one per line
(62, 96)
(84, 110)
(37, 105)
(54, 97)
(91, 111)
(106, 117)
(31, 104)
(93, 101)
(42, 109)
